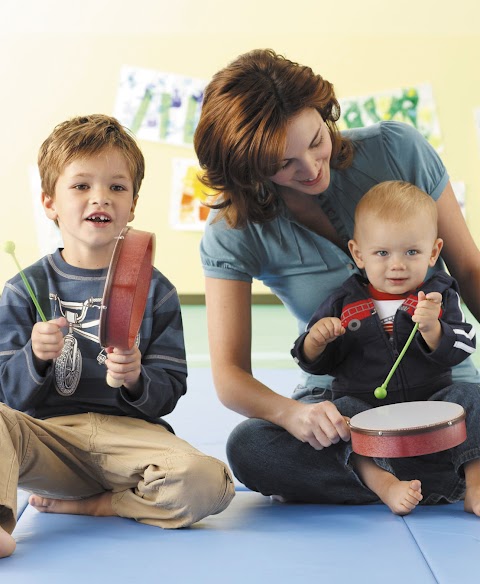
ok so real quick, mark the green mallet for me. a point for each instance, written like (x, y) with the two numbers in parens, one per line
(9, 247)
(381, 392)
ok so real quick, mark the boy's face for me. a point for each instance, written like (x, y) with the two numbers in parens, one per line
(92, 204)
(395, 255)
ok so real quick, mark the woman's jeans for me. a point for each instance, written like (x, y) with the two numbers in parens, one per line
(267, 459)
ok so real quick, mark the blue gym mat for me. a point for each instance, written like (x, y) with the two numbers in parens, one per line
(255, 540)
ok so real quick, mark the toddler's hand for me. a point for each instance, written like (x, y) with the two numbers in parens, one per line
(324, 331)
(427, 311)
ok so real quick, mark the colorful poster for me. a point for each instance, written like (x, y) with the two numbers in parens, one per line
(187, 211)
(412, 105)
(161, 107)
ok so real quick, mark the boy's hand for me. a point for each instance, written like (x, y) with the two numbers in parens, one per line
(426, 314)
(47, 339)
(124, 365)
(324, 331)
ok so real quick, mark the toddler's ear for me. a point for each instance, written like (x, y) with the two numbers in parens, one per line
(356, 254)
(437, 248)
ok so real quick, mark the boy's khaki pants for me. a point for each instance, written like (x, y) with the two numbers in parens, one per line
(155, 477)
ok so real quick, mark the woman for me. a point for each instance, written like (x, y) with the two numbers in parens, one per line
(289, 184)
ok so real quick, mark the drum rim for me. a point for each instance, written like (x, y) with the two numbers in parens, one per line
(102, 325)
(412, 430)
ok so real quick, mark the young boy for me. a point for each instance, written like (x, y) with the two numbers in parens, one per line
(81, 446)
(359, 331)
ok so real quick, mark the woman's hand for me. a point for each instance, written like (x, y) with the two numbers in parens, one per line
(320, 424)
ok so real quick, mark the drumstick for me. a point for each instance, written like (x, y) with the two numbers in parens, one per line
(381, 392)
(9, 247)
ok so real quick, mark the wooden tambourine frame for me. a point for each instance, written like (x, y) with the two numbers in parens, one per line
(126, 291)
(408, 429)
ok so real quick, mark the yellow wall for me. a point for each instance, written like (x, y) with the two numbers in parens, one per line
(54, 65)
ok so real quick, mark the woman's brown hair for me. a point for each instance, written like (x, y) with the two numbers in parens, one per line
(241, 136)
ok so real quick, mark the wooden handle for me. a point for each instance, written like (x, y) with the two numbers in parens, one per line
(114, 382)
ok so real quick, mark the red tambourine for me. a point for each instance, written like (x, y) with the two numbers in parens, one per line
(126, 291)
(408, 429)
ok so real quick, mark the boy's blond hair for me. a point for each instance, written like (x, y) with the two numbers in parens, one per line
(396, 201)
(84, 136)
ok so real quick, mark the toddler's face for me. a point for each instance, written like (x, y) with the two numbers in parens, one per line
(396, 256)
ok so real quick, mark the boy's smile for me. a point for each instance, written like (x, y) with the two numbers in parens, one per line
(92, 204)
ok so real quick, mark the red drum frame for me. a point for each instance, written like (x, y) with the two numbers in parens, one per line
(408, 429)
(126, 288)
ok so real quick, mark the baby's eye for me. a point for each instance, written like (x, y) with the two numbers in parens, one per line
(382, 253)
(81, 187)
(117, 188)
(412, 252)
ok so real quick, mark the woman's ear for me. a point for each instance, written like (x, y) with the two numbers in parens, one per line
(437, 248)
(356, 253)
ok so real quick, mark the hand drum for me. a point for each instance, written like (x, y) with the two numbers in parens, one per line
(408, 429)
(126, 291)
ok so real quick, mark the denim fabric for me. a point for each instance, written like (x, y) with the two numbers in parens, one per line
(267, 459)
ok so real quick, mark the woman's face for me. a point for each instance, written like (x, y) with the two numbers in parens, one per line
(306, 161)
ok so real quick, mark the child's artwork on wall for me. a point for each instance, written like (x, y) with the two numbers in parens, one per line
(187, 211)
(157, 106)
(412, 105)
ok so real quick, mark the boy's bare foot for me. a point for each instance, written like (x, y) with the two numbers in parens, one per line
(97, 505)
(7, 544)
(402, 496)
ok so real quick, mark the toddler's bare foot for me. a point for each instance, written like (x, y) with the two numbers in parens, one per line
(402, 496)
(7, 544)
(472, 501)
(98, 505)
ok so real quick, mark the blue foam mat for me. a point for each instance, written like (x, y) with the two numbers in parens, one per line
(449, 539)
(254, 540)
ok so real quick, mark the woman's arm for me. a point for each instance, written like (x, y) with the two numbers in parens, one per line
(230, 339)
(460, 251)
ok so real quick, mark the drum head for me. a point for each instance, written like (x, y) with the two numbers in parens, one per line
(408, 429)
(126, 288)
